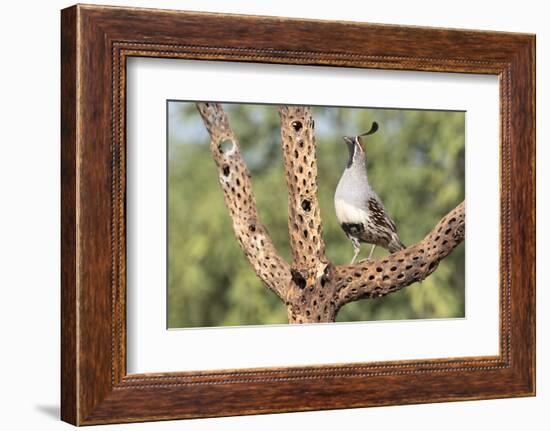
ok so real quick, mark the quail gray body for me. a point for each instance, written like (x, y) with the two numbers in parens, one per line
(359, 210)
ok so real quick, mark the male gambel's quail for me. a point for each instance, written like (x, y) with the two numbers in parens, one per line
(358, 208)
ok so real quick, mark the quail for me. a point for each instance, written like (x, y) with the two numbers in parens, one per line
(359, 210)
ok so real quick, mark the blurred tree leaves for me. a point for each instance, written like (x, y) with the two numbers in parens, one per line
(415, 163)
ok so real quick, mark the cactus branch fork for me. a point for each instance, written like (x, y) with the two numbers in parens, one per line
(312, 288)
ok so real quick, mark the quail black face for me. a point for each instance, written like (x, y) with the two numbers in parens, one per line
(352, 143)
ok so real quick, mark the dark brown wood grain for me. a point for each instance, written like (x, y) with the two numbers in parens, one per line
(96, 41)
(68, 217)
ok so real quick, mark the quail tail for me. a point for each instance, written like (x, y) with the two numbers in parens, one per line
(395, 244)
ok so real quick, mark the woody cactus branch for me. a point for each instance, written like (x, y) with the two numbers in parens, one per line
(312, 288)
(304, 218)
(234, 179)
(311, 270)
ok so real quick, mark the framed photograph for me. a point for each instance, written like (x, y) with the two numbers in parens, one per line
(263, 214)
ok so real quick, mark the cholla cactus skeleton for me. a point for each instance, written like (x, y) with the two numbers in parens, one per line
(312, 288)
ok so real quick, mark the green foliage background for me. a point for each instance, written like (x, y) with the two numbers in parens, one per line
(415, 163)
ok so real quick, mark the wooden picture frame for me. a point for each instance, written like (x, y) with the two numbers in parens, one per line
(95, 43)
